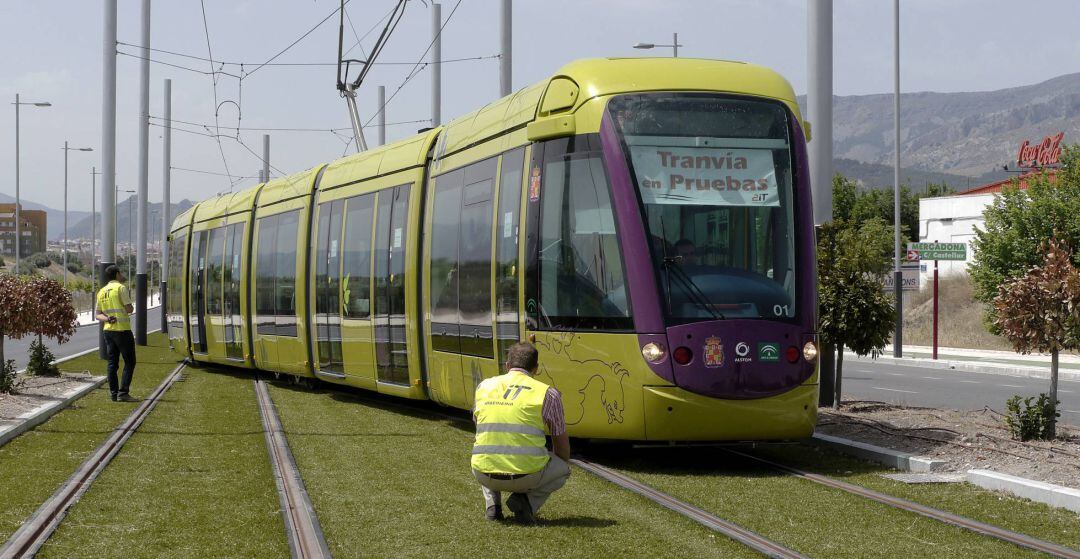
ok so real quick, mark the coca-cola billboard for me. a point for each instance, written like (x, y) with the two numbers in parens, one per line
(1047, 152)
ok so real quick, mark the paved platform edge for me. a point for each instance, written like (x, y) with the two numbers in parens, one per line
(38, 416)
(1038, 491)
(903, 461)
(971, 367)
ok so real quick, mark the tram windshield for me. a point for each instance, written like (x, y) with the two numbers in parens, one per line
(714, 176)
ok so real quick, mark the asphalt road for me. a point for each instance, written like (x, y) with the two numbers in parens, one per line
(945, 388)
(86, 337)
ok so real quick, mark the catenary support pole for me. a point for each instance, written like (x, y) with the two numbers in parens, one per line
(65, 213)
(18, 199)
(819, 104)
(144, 179)
(166, 203)
(506, 51)
(108, 146)
(675, 45)
(436, 64)
(898, 274)
(266, 158)
(381, 102)
(93, 240)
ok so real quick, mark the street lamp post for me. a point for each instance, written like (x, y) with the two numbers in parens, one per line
(18, 214)
(66, 150)
(674, 45)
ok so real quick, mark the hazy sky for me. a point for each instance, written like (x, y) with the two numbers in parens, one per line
(52, 52)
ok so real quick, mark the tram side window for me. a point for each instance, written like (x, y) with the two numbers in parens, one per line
(357, 264)
(285, 272)
(506, 252)
(474, 289)
(214, 271)
(264, 275)
(582, 282)
(446, 220)
(175, 297)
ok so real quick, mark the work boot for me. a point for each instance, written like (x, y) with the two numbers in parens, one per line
(518, 503)
(125, 398)
(494, 512)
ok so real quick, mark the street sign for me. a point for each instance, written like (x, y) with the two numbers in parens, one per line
(911, 279)
(939, 251)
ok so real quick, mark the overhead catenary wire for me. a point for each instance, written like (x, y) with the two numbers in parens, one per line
(416, 66)
(301, 38)
(213, 81)
(274, 64)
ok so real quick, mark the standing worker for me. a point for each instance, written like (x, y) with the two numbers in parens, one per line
(114, 311)
(513, 414)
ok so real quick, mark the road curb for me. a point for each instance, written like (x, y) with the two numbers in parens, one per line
(903, 461)
(1048, 493)
(970, 367)
(35, 417)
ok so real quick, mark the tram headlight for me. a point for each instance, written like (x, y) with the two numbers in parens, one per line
(653, 352)
(809, 351)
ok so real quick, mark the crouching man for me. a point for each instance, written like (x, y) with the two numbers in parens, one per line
(514, 412)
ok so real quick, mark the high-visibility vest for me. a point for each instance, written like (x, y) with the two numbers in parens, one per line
(110, 301)
(510, 430)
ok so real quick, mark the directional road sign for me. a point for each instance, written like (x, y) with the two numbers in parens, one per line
(939, 251)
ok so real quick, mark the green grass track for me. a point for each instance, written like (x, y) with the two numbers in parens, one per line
(1057, 525)
(388, 482)
(193, 481)
(36, 464)
(812, 519)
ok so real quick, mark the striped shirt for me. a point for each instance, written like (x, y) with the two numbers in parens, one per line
(552, 411)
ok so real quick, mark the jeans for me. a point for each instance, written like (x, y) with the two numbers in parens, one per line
(120, 343)
(538, 487)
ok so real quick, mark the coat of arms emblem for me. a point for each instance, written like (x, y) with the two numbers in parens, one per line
(714, 352)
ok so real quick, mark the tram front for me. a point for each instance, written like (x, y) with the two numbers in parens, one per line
(713, 270)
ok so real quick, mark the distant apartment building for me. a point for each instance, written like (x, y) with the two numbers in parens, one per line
(954, 218)
(34, 231)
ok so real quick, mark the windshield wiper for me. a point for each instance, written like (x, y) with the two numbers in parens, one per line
(694, 293)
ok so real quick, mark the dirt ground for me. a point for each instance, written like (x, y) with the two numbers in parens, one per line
(36, 391)
(965, 439)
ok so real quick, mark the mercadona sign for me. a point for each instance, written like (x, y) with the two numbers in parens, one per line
(939, 251)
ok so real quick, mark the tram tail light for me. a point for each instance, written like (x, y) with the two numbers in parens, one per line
(792, 354)
(682, 355)
(809, 351)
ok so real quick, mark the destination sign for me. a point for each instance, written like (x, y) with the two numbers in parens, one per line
(939, 251)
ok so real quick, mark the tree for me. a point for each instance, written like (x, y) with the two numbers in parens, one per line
(16, 320)
(1019, 222)
(53, 315)
(1040, 311)
(854, 310)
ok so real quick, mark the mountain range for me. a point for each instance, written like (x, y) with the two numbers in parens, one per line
(967, 134)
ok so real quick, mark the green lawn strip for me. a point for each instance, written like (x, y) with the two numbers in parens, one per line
(34, 465)
(387, 482)
(193, 481)
(1056, 525)
(812, 519)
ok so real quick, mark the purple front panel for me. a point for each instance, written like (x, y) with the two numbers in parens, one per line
(740, 359)
(640, 279)
(806, 237)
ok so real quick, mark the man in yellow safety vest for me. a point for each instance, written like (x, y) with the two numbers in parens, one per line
(114, 312)
(514, 412)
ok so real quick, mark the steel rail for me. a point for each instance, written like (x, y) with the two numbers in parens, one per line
(36, 530)
(746, 537)
(1016, 538)
(302, 527)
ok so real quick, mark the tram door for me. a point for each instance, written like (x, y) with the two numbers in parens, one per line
(388, 316)
(231, 300)
(463, 325)
(328, 289)
(197, 267)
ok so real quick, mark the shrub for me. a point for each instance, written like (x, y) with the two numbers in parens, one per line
(41, 361)
(1027, 421)
(8, 383)
(40, 260)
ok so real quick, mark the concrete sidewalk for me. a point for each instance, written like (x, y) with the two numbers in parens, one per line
(997, 362)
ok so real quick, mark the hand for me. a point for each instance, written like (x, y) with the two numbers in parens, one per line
(112, 319)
